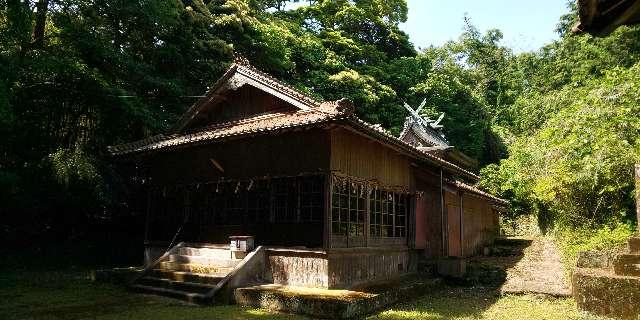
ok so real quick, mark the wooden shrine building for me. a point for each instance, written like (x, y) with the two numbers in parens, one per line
(311, 182)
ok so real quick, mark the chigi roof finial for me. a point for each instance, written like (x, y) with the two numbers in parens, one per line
(240, 59)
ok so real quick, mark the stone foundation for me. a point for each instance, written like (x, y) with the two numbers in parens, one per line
(333, 304)
(603, 293)
(336, 268)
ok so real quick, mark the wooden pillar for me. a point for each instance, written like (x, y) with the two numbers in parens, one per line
(461, 194)
(367, 214)
(637, 178)
(443, 221)
(147, 219)
(328, 193)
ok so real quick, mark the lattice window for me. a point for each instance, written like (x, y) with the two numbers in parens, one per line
(218, 203)
(348, 209)
(357, 209)
(235, 203)
(285, 199)
(311, 199)
(400, 211)
(387, 214)
(386, 226)
(340, 209)
(258, 202)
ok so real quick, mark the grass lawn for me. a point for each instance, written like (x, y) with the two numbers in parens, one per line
(70, 295)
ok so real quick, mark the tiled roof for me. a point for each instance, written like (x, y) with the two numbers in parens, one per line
(315, 113)
(242, 71)
(249, 70)
(472, 189)
(258, 124)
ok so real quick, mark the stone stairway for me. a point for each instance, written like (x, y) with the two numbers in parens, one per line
(609, 285)
(191, 272)
(628, 264)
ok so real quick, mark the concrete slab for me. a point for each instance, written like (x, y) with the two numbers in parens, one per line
(328, 303)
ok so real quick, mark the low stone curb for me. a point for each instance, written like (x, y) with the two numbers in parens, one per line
(331, 306)
(119, 276)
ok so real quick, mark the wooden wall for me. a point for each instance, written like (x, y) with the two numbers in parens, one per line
(453, 222)
(428, 184)
(287, 154)
(471, 222)
(481, 225)
(357, 156)
(245, 102)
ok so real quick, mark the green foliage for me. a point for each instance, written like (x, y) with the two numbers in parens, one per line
(572, 131)
(579, 162)
(604, 238)
(106, 72)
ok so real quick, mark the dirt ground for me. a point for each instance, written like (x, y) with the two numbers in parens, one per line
(538, 269)
(528, 266)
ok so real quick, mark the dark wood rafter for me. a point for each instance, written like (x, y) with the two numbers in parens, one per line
(601, 17)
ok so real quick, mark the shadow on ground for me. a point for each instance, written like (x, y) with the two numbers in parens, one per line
(491, 270)
(67, 293)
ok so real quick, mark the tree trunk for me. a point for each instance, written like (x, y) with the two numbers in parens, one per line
(41, 20)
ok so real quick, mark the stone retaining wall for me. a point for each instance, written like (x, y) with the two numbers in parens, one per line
(604, 293)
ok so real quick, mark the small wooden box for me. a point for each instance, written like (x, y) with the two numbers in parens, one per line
(241, 243)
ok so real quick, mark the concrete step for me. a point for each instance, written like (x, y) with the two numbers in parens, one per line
(171, 293)
(195, 268)
(627, 265)
(194, 287)
(186, 276)
(229, 263)
(634, 245)
(217, 253)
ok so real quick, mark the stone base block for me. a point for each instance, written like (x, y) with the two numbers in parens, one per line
(334, 304)
(627, 265)
(634, 245)
(600, 292)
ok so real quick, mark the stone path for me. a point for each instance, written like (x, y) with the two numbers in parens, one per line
(538, 271)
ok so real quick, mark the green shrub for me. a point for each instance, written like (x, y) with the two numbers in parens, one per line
(606, 238)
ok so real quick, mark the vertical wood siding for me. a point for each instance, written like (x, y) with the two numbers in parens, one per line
(481, 224)
(453, 223)
(355, 155)
(245, 102)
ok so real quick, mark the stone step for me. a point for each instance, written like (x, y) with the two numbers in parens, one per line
(187, 276)
(204, 260)
(627, 265)
(217, 253)
(194, 287)
(195, 268)
(634, 245)
(176, 294)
